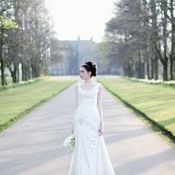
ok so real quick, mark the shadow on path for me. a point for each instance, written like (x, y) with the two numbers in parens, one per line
(33, 146)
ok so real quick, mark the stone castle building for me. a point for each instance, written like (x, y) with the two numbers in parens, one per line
(72, 54)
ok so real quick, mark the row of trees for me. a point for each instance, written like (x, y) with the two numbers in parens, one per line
(25, 34)
(141, 37)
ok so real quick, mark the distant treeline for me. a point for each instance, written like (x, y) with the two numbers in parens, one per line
(141, 37)
(25, 34)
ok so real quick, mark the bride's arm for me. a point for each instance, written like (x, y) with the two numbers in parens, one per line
(76, 95)
(76, 101)
(99, 106)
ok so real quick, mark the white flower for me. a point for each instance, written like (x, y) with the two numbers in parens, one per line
(69, 142)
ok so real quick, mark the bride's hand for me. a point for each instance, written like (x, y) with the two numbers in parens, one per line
(101, 129)
(72, 130)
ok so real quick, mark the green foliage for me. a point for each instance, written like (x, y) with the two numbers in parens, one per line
(6, 24)
(107, 52)
(103, 50)
(16, 102)
(155, 101)
(26, 41)
(143, 34)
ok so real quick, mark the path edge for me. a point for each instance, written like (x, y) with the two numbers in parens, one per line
(152, 124)
(30, 109)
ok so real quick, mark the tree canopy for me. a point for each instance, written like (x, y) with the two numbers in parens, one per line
(141, 37)
(25, 33)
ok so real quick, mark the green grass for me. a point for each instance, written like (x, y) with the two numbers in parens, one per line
(16, 102)
(8, 79)
(157, 102)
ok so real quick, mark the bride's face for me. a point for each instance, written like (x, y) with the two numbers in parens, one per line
(84, 74)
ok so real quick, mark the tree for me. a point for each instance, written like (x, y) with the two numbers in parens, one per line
(4, 26)
(145, 31)
(28, 45)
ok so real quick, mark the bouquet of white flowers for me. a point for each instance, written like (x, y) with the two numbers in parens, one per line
(69, 142)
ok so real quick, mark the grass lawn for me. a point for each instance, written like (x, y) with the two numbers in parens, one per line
(157, 102)
(16, 102)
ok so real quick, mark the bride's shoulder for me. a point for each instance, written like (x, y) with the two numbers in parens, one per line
(76, 85)
(100, 85)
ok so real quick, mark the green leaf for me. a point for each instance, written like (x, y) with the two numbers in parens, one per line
(6, 24)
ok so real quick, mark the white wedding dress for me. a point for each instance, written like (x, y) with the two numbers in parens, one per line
(90, 156)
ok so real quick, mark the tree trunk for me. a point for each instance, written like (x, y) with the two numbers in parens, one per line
(141, 70)
(171, 67)
(29, 72)
(24, 73)
(172, 56)
(148, 69)
(154, 39)
(165, 66)
(18, 76)
(156, 68)
(3, 80)
(140, 66)
(165, 71)
(14, 79)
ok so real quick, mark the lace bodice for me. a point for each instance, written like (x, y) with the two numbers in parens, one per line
(88, 98)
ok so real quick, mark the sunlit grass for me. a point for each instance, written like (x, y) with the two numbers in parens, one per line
(155, 101)
(15, 102)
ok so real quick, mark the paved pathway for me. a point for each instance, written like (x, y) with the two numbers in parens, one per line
(33, 146)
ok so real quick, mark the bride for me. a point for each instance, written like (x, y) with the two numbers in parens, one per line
(90, 156)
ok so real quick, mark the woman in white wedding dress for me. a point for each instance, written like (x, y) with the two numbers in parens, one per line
(90, 156)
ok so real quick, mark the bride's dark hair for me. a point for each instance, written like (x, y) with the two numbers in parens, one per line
(90, 66)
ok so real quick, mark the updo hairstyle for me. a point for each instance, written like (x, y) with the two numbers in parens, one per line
(90, 66)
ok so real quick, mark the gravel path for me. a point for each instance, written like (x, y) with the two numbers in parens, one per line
(33, 146)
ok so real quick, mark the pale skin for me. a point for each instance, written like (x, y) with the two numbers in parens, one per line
(88, 84)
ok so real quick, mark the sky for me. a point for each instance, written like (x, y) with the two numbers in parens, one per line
(84, 18)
